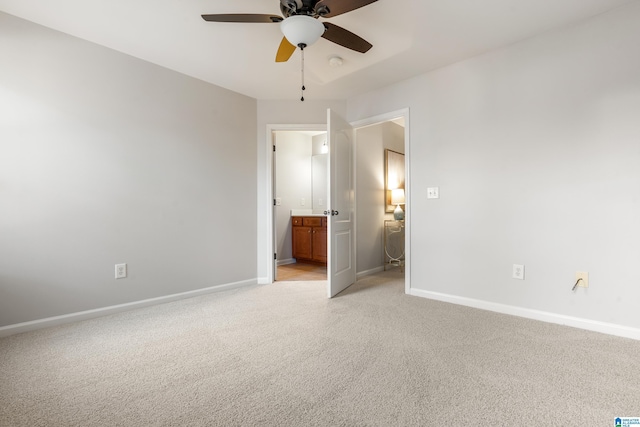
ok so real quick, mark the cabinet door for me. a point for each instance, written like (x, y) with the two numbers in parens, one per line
(319, 240)
(301, 242)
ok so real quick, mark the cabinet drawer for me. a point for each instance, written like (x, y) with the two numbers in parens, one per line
(296, 220)
(312, 221)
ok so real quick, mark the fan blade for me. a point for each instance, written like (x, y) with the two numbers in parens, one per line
(285, 50)
(345, 38)
(242, 17)
(338, 7)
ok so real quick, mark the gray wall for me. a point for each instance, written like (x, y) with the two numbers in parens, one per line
(106, 159)
(535, 149)
(371, 142)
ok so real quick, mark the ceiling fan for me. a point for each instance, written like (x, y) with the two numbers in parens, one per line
(300, 25)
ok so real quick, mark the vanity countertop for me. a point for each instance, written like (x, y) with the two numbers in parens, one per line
(304, 212)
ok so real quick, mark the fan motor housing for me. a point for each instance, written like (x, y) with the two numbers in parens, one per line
(302, 7)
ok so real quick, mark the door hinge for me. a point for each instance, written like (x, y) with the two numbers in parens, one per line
(274, 148)
(274, 202)
(275, 257)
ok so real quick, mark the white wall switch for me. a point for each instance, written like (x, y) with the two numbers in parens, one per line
(278, 201)
(518, 271)
(121, 271)
(302, 202)
(584, 283)
(433, 193)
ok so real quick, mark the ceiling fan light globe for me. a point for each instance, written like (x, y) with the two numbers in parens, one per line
(302, 29)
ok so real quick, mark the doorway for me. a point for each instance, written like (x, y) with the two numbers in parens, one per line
(380, 232)
(300, 193)
(362, 234)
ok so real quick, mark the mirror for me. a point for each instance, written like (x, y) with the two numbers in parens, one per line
(319, 182)
(393, 175)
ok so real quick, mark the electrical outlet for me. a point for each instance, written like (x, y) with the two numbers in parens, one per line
(584, 283)
(121, 271)
(302, 202)
(518, 271)
(433, 193)
(278, 201)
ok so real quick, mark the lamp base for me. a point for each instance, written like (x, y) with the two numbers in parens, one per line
(398, 214)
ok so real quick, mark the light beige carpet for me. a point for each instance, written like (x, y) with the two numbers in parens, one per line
(284, 355)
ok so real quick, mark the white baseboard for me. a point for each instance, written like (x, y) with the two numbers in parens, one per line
(286, 261)
(560, 319)
(362, 274)
(33, 325)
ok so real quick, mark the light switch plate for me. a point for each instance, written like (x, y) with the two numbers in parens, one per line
(433, 193)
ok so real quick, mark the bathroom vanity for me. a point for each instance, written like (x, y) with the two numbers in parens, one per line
(309, 238)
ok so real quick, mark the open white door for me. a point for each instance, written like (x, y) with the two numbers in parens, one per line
(341, 269)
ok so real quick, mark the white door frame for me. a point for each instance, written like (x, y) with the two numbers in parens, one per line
(404, 113)
(270, 244)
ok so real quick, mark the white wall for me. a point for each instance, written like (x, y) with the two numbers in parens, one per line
(293, 183)
(318, 142)
(371, 141)
(319, 174)
(280, 113)
(535, 149)
(106, 159)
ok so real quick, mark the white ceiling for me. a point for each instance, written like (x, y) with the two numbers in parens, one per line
(409, 37)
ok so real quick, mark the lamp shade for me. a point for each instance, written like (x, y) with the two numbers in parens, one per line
(397, 196)
(302, 29)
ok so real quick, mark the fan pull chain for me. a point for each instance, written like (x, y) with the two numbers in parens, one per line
(302, 46)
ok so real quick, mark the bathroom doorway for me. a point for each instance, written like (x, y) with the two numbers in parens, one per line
(300, 199)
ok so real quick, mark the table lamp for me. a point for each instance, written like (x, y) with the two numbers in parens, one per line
(397, 198)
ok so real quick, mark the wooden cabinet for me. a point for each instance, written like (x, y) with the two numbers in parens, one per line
(309, 238)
